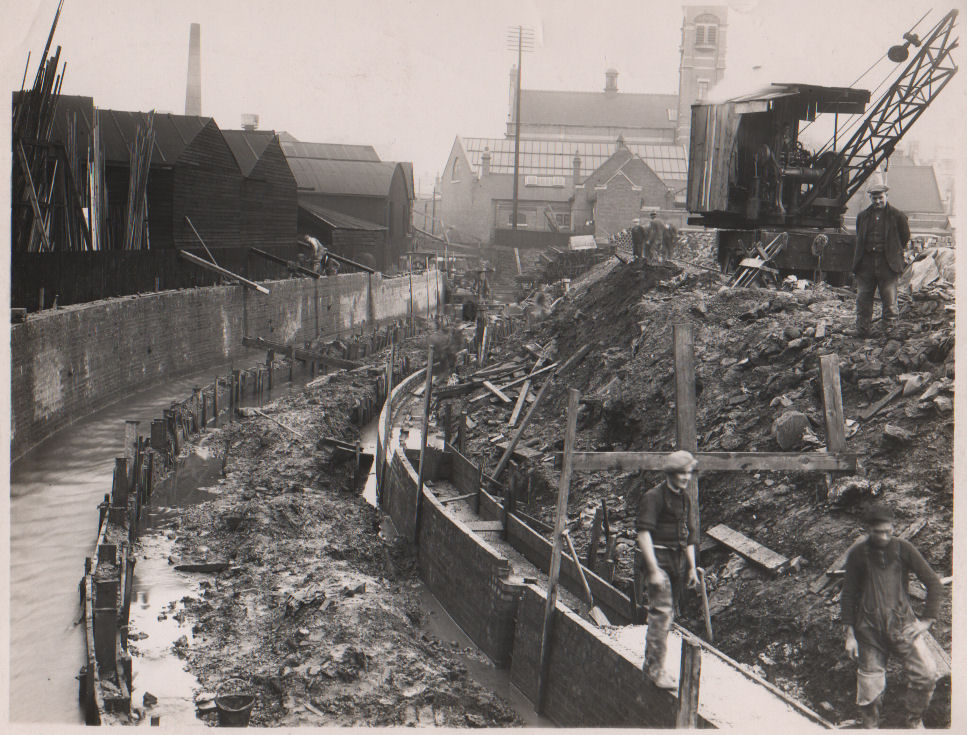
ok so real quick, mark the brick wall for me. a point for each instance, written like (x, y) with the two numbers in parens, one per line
(69, 362)
(590, 683)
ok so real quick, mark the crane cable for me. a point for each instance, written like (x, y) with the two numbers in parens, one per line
(856, 118)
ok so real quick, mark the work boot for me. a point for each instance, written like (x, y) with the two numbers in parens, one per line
(916, 702)
(870, 715)
(656, 674)
(860, 332)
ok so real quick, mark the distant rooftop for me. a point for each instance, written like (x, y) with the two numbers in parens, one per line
(248, 146)
(598, 109)
(556, 157)
(329, 151)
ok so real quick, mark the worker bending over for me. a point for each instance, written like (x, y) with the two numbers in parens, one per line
(667, 536)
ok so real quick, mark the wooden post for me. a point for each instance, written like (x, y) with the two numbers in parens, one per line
(484, 346)
(269, 362)
(120, 485)
(235, 393)
(447, 419)
(195, 408)
(215, 402)
(573, 396)
(505, 511)
(291, 362)
(426, 427)
(130, 438)
(685, 405)
(462, 432)
(480, 481)
(159, 435)
(688, 681)
(40, 299)
(593, 542)
(832, 409)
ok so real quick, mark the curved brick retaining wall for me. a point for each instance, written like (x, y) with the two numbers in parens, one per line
(67, 363)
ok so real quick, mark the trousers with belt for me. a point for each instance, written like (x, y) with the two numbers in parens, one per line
(664, 602)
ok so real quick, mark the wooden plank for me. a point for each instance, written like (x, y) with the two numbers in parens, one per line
(688, 682)
(496, 391)
(746, 547)
(38, 222)
(573, 396)
(716, 461)
(454, 499)
(832, 403)
(502, 464)
(221, 271)
(518, 381)
(875, 408)
(520, 452)
(524, 391)
(347, 261)
(485, 525)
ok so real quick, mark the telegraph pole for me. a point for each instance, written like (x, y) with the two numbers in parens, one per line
(523, 38)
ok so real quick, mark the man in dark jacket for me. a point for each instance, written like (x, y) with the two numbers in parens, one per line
(880, 621)
(667, 536)
(637, 240)
(882, 234)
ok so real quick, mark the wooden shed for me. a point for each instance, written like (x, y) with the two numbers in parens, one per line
(193, 174)
(355, 238)
(268, 195)
(347, 180)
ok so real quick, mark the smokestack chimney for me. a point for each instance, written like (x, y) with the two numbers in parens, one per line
(611, 80)
(193, 93)
(485, 163)
(576, 168)
(250, 121)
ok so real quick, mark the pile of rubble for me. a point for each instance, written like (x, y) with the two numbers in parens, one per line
(757, 379)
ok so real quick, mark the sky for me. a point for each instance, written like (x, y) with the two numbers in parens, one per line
(408, 76)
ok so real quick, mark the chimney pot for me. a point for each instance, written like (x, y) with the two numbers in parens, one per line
(611, 80)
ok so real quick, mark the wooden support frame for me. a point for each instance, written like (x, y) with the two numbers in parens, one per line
(688, 684)
(286, 263)
(718, 461)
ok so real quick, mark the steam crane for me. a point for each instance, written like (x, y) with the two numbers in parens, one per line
(751, 177)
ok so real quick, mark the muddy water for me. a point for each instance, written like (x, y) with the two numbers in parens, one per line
(54, 492)
(439, 623)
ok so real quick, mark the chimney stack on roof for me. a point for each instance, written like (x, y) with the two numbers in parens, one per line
(250, 121)
(485, 163)
(193, 93)
(576, 168)
(611, 80)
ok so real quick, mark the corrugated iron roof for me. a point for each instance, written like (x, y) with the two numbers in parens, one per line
(329, 151)
(353, 178)
(173, 133)
(598, 109)
(248, 146)
(556, 157)
(338, 220)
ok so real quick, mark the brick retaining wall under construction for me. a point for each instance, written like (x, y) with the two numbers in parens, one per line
(67, 363)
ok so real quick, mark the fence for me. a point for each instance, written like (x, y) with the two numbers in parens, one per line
(80, 277)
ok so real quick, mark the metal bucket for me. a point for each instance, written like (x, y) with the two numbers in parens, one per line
(234, 703)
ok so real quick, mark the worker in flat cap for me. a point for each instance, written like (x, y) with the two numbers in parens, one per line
(880, 621)
(882, 234)
(667, 534)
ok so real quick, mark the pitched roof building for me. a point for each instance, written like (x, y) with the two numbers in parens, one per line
(351, 180)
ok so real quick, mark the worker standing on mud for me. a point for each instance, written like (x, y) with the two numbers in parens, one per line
(880, 621)
(637, 239)
(667, 536)
(668, 238)
(882, 233)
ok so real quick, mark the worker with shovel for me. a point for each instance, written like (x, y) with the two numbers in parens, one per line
(667, 536)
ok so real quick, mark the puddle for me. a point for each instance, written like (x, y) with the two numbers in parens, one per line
(155, 610)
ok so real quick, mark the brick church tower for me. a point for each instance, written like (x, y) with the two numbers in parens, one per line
(702, 59)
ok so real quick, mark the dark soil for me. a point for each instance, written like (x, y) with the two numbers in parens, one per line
(756, 357)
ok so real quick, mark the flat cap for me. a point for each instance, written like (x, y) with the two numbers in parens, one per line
(680, 461)
(879, 513)
(878, 189)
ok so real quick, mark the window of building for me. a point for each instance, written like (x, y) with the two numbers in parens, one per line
(702, 88)
(563, 220)
(706, 30)
(672, 113)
